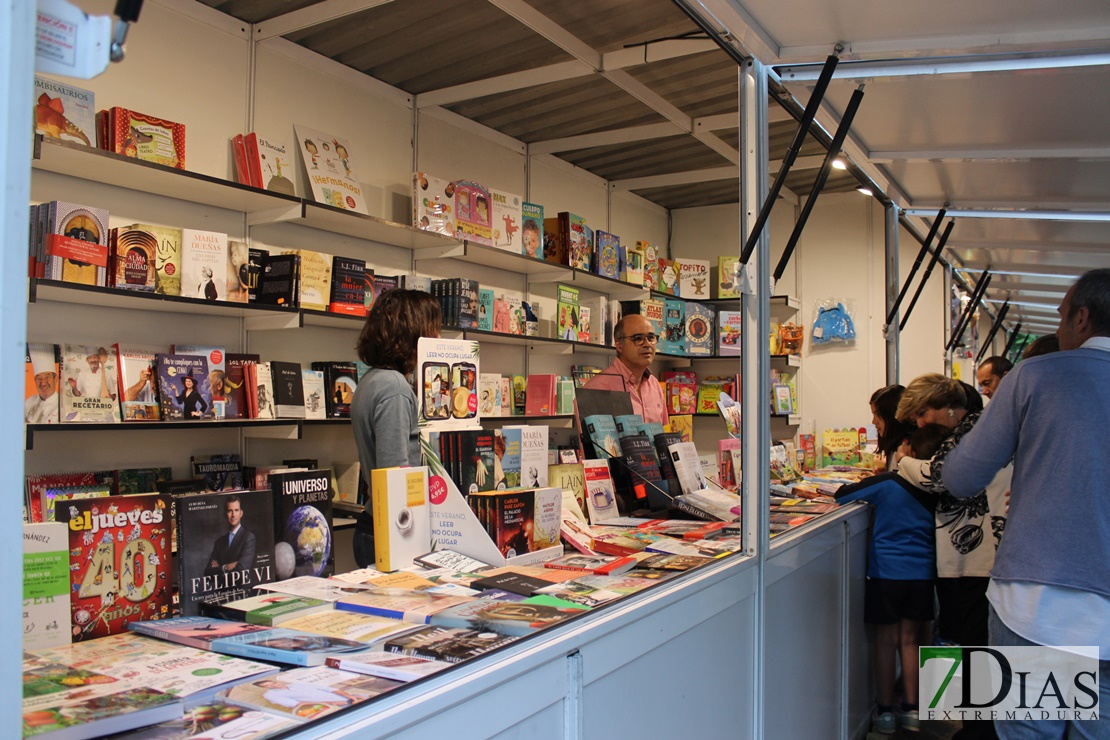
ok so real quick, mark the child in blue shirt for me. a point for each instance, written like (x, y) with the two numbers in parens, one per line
(901, 568)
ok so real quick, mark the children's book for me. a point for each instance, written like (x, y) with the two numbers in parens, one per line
(330, 170)
(699, 330)
(90, 390)
(473, 213)
(673, 339)
(567, 313)
(145, 137)
(651, 264)
(64, 112)
(725, 283)
(693, 279)
(119, 560)
(433, 204)
(506, 221)
(607, 258)
(729, 324)
(270, 164)
(531, 238)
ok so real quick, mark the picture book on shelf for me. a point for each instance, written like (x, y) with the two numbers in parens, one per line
(473, 213)
(531, 230)
(725, 284)
(119, 550)
(651, 264)
(506, 221)
(607, 263)
(693, 279)
(64, 112)
(699, 330)
(270, 164)
(225, 546)
(41, 402)
(90, 390)
(329, 167)
(143, 136)
(433, 204)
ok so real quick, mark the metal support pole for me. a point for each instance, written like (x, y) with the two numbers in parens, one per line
(892, 310)
(893, 336)
(756, 359)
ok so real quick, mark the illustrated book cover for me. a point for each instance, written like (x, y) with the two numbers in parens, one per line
(330, 170)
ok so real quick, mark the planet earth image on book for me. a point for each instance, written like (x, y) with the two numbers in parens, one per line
(307, 531)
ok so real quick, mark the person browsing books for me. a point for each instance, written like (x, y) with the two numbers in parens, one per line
(1050, 584)
(990, 373)
(892, 433)
(901, 568)
(635, 340)
(232, 550)
(384, 409)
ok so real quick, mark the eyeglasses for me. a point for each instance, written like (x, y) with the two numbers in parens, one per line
(639, 339)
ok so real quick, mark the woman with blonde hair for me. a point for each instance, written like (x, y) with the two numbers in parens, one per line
(967, 529)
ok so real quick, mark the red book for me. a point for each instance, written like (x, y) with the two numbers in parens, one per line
(254, 164)
(239, 150)
(149, 138)
(601, 565)
(540, 397)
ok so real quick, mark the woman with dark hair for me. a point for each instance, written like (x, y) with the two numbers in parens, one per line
(884, 415)
(968, 530)
(192, 403)
(384, 410)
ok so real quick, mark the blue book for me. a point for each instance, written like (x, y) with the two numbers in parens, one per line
(274, 644)
(602, 431)
(507, 452)
(651, 428)
(672, 340)
(628, 424)
(607, 261)
(485, 309)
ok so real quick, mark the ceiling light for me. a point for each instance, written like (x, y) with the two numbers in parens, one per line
(864, 190)
(839, 164)
(1093, 216)
(1051, 276)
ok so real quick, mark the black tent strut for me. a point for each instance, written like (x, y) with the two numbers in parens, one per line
(965, 320)
(804, 123)
(916, 264)
(1010, 341)
(994, 330)
(821, 179)
(928, 271)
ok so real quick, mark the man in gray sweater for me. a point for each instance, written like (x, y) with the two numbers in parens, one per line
(1051, 579)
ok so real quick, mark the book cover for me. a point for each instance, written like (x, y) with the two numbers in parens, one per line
(256, 265)
(447, 382)
(271, 164)
(303, 536)
(288, 389)
(600, 494)
(312, 383)
(41, 489)
(489, 394)
(348, 286)
(91, 389)
(235, 385)
(473, 213)
(468, 304)
(266, 609)
(41, 400)
(693, 279)
(448, 644)
(554, 245)
(315, 278)
(166, 243)
(682, 391)
(46, 585)
(684, 456)
(64, 112)
(184, 388)
(237, 285)
(146, 137)
(673, 339)
(506, 221)
(607, 258)
(203, 264)
(512, 618)
(286, 646)
(569, 477)
(729, 324)
(402, 523)
(699, 330)
(515, 582)
(225, 546)
(100, 715)
(540, 399)
(601, 429)
(566, 309)
(602, 565)
(633, 265)
(348, 625)
(532, 236)
(669, 278)
(628, 424)
(485, 309)
(725, 283)
(533, 455)
(330, 170)
(76, 243)
(306, 694)
(576, 235)
(548, 518)
(340, 382)
(506, 447)
(119, 560)
(415, 607)
(642, 466)
(134, 259)
(651, 264)
(433, 204)
(514, 519)
(279, 282)
(395, 667)
(215, 719)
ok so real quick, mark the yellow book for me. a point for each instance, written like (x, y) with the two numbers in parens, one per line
(402, 522)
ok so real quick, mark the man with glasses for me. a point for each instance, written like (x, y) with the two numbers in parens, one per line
(635, 340)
